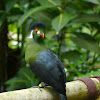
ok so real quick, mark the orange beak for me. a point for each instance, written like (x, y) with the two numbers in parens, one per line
(42, 35)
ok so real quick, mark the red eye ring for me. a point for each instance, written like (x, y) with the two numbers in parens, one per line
(36, 30)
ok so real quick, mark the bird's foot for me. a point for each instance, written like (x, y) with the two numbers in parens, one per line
(41, 85)
(36, 87)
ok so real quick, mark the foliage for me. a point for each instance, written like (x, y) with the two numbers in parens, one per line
(72, 32)
(25, 78)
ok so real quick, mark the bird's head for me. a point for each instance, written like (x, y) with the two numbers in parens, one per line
(37, 30)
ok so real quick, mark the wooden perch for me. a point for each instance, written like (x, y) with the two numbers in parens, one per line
(76, 90)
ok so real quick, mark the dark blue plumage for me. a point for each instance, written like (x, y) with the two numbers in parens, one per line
(49, 68)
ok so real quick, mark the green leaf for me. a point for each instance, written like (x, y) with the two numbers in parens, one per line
(93, 1)
(50, 2)
(27, 76)
(10, 4)
(86, 41)
(45, 2)
(95, 73)
(43, 16)
(14, 80)
(30, 12)
(14, 14)
(74, 69)
(1, 12)
(87, 18)
(72, 55)
(50, 34)
(60, 21)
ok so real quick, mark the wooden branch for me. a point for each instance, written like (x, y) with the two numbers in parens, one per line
(76, 90)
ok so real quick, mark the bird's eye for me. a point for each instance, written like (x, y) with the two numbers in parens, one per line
(36, 30)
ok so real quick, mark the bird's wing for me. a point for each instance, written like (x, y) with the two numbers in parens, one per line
(49, 69)
(53, 65)
(59, 68)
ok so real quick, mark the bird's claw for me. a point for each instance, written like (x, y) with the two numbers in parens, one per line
(41, 85)
(36, 87)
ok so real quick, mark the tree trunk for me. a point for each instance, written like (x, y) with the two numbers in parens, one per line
(3, 50)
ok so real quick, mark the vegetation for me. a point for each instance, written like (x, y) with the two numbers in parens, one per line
(72, 32)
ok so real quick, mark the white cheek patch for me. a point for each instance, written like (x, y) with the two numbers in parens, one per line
(31, 35)
(38, 32)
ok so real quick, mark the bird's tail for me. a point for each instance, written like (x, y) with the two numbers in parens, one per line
(63, 97)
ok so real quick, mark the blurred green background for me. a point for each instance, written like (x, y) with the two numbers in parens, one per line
(72, 33)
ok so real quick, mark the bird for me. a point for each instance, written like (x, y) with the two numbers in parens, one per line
(43, 62)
